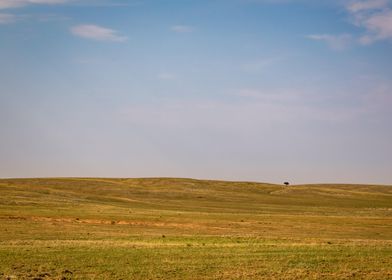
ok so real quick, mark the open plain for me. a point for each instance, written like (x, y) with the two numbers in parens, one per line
(164, 228)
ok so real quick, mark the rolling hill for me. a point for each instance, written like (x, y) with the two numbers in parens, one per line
(166, 228)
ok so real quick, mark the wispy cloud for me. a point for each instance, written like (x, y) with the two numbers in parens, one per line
(12, 4)
(181, 28)
(6, 4)
(375, 16)
(7, 18)
(335, 42)
(273, 96)
(257, 65)
(98, 33)
(167, 76)
(379, 27)
(359, 6)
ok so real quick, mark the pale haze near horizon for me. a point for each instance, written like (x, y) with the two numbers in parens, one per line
(270, 91)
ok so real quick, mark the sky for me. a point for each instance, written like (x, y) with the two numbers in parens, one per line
(255, 90)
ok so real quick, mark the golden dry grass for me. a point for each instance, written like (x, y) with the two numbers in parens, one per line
(164, 228)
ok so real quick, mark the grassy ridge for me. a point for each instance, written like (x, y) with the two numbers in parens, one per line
(163, 228)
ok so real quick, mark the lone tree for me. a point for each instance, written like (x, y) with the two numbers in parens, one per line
(286, 183)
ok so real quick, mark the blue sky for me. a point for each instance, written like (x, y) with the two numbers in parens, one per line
(262, 90)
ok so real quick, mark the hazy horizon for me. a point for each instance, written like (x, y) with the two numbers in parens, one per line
(201, 179)
(243, 90)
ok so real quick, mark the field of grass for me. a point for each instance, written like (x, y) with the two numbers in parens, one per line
(162, 228)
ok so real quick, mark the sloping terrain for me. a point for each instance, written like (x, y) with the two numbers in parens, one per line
(164, 228)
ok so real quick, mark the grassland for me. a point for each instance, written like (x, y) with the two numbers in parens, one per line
(76, 228)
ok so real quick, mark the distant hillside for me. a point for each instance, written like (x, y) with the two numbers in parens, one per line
(164, 228)
(190, 194)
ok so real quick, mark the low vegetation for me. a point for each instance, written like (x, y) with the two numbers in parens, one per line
(162, 228)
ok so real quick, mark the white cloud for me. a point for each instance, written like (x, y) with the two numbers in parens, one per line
(99, 33)
(7, 18)
(181, 28)
(5, 4)
(378, 26)
(359, 6)
(375, 16)
(335, 42)
(9, 4)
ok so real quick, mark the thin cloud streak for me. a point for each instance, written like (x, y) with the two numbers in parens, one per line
(181, 28)
(98, 33)
(335, 42)
(7, 18)
(166, 76)
(7, 4)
